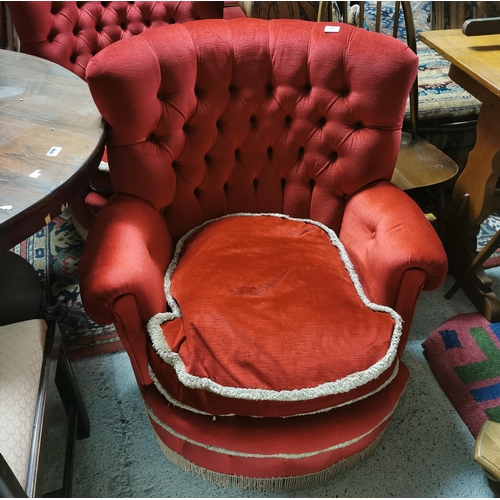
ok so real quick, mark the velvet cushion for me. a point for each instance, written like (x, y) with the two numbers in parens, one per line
(268, 318)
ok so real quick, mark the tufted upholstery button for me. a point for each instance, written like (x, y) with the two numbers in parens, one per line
(345, 91)
(288, 119)
(207, 159)
(123, 26)
(153, 138)
(307, 88)
(54, 10)
(147, 23)
(253, 120)
(312, 183)
(186, 128)
(76, 30)
(358, 125)
(51, 36)
(232, 88)
(104, 4)
(237, 154)
(322, 122)
(333, 156)
(196, 192)
(372, 236)
(301, 152)
(269, 88)
(175, 165)
(255, 183)
(98, 28)
(225, 187)
(283, 182)
(80, 4)
(218, 124)
(73, 57)
(270, 152)
(171, 21)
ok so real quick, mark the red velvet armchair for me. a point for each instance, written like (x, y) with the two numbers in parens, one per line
(70, 33)
(260, 268)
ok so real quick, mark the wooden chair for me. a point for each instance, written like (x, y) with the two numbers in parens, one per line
(420, 164)
(487, 450)
(34, 362)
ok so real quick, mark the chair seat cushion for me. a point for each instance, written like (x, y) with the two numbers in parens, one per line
(21, 356)
(268, 318)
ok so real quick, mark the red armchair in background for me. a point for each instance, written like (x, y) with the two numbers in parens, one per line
(255, 259)
(70, 33)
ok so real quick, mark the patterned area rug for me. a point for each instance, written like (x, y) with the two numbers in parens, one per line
(55, 252)
(489, 227)
(464, 354)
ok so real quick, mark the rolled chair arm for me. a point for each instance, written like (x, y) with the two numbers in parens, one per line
(122, 271)
(385, 243)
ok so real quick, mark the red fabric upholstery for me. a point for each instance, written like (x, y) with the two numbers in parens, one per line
(274, 447)
(71, 33)
(294, 132)
(255, 116)
(262, 323)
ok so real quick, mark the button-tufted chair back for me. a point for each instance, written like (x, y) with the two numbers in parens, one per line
(70, 33)
(250, 115)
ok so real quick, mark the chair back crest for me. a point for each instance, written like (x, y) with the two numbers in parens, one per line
(215, 117)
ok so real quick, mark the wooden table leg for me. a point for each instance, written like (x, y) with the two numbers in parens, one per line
(473, 196)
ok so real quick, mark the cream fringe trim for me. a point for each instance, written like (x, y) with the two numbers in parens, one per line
(288, 456)
(289, 483)
(177, 403)
(342, 385)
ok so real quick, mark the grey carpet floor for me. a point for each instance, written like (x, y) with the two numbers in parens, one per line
(425, 452)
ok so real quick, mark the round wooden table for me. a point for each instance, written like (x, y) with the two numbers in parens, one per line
(51, 141)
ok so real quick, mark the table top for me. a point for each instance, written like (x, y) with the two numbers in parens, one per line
(51, 140)
(477, 56)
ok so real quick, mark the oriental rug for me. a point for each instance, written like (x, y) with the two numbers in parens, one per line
(488, 228)
(54, 252)
(464, 355)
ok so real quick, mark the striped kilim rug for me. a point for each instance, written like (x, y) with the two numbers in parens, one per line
(464, 354)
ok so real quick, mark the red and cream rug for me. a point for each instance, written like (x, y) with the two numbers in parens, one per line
(54, 252)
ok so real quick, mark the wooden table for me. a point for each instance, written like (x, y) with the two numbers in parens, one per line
(51, 141)
(475, 66)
